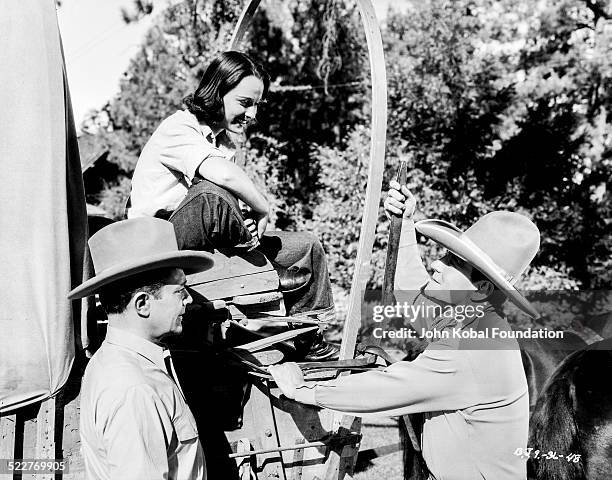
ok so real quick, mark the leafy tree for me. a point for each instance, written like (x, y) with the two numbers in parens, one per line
(556, 162)
(510, 118)
(497, 105)
(307, 109)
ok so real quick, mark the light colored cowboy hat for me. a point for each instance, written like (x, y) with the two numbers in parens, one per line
(500, 245)
(128, 247)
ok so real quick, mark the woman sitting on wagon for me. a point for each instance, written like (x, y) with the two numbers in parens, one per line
(187, 173)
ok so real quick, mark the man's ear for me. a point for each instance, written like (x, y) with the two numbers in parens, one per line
(484, 290)
(142, 303)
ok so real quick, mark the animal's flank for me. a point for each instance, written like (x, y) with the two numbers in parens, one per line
(553, 427)
(573, 416)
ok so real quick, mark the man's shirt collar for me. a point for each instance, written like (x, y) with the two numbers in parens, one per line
(146, 348)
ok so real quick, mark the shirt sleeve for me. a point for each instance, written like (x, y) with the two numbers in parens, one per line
(410, 275)
(436, 380)
(137, 435)
(184, 148)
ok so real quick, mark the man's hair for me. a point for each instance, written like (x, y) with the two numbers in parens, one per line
(223, 73)
(497, 298)
(116, 296)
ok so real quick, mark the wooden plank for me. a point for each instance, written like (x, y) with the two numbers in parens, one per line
(45, 429)
(259, 426)
(369, 220)
(297, 462)
(45, 434)
(244, 463)
(7, 435)
(341, 462)
(337, 464)
(248, 273)
(26, 422)
(244, 22)
(234, 286)
(395, 231)
(234, 266)
(295, 420)
(67, 409)
(71, 442)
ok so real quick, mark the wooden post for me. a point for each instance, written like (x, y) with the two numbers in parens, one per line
(45, 434)
(260, 428)
(7, 435)
(336, 465)
(395, 230)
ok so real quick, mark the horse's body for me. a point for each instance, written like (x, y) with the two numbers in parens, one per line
(573, 415)
(600, 324)
(541, 358)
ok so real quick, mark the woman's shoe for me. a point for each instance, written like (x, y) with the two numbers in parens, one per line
(293, 278)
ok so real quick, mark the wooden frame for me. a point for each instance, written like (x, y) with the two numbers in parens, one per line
(336, 463)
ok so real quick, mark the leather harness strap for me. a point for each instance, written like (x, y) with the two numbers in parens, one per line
(375, 350)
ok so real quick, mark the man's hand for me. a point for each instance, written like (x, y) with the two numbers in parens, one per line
(288, 376)
(400, 201)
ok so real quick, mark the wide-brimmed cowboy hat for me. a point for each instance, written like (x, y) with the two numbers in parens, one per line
(129, 247)
(500, 245)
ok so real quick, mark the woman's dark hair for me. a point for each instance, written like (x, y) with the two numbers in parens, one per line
(223, 73)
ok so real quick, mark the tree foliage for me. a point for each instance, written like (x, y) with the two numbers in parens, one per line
(507, 107)
(496, 104)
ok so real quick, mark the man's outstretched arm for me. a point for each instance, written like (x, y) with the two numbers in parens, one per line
(436, 380)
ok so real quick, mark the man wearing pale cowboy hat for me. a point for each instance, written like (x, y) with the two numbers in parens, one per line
(135, 423)
(473, 392)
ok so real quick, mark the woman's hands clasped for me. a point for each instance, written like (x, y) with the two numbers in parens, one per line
(256, 222)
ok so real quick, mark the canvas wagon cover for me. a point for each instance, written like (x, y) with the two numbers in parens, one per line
(42, 207)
